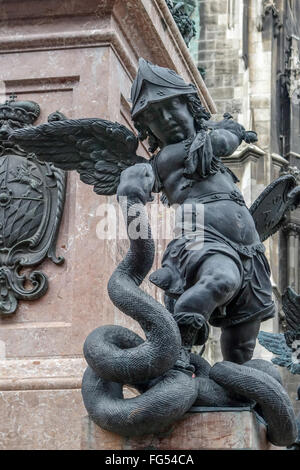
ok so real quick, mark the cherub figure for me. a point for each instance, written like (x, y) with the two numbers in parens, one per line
(224, 282)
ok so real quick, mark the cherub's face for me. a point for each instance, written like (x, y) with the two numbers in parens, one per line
(169, 120)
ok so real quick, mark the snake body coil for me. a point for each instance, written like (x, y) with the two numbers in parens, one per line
(117, 356)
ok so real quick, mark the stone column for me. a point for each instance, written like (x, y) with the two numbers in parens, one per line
(292, 231)
(248, 164)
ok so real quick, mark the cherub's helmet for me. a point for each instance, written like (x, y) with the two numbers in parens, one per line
(153, 84)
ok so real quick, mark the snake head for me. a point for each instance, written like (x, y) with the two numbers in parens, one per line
(136, 182)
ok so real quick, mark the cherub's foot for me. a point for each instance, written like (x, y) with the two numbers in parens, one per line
(183, 362)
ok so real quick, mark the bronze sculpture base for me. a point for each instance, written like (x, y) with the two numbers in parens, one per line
(200, 429)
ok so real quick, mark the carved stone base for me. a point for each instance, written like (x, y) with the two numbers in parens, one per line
(202, 428)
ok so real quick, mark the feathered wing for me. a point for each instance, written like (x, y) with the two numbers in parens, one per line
(276, 344)
(286, 346)
(98, 149)
(291, 309)
(272, 205)
(294, 198)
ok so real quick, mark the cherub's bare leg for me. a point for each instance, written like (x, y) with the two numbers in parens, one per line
(238, 342)
(217, 281)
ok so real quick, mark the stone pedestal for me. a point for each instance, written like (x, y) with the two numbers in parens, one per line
(200, 429)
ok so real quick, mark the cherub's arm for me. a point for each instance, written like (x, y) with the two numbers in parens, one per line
(224, 142)
(227, 135)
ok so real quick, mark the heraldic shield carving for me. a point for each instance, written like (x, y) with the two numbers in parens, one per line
(32, 197)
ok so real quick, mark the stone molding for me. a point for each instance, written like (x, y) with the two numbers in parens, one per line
(158, 29)
(41, 374)
(249, 152)
(291, 229)
(278, 159)
(279, 162)
(294, 155)
(69, 40)
(41, 383)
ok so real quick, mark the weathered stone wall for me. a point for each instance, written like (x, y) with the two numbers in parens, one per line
(219, 48)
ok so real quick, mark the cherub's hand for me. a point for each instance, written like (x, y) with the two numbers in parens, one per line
(136, 182)
(235, 128)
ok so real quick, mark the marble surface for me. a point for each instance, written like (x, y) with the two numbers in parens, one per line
(215, 430)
